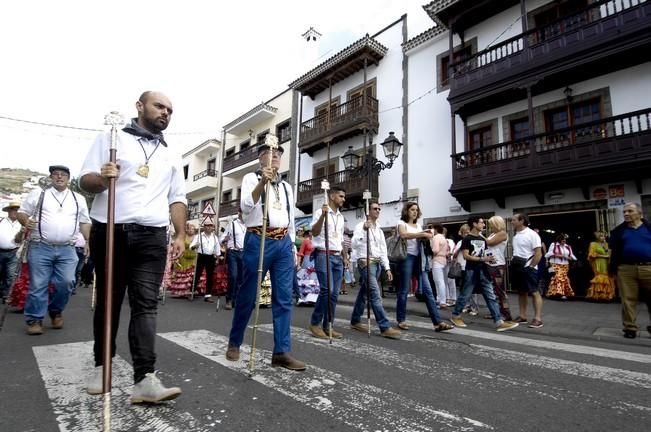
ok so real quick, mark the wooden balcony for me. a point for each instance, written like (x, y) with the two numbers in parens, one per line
(612, 149)
(240, 158)
(602, 38)
(352, 182)
(229, 208)
(346, 120)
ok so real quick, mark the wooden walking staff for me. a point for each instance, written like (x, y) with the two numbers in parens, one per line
(272, 142)
(114, 119)
(325, 185)
(367, 196)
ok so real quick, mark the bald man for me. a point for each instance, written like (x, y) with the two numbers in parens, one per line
(149, 188)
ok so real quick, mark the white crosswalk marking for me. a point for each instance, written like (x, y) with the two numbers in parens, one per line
(64, 369)
(582, 369)
(469, 377)
(352, 402)
(535, 343)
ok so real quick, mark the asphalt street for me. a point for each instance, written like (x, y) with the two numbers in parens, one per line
(586, 378)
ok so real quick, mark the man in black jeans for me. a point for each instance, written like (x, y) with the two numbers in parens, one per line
(149, 190)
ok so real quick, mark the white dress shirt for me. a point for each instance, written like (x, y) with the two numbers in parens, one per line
(8, 231)
(61, 214)
(277, 217)
(377, 244)
(335, 231)
(236, 230)
(140, 200)
(208, 244)
(525, 242)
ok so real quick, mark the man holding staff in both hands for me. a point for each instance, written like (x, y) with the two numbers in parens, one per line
(149, 188)
(378, 260)
(278, 258)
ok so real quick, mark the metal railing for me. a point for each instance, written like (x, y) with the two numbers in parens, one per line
(205, 173)
(241, 157)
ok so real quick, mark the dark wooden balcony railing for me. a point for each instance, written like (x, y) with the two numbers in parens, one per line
(619, 144)
(527, 46)
(352, 182)
(205, 173)
(348, 116)
(240, 158)
(229, 208)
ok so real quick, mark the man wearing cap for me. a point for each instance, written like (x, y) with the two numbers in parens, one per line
(235, 232)
(54, 216)
(279, 255)
(150, 190)
(207, 246)
(10, 238)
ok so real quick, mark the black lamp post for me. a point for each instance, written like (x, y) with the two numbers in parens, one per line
(391, 146)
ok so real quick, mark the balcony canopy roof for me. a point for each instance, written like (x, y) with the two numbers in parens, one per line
(465, 13)
(340, 66)
(245, 122)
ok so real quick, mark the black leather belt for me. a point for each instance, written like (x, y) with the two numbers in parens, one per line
(9, 250)
(132, 227)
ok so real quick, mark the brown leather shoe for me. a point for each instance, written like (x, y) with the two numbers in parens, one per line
(403, 325)
(35, 328)
(317, 332)
(286, 361)
(391, 333)
(360, 327)
(57, 321)
(233, 353)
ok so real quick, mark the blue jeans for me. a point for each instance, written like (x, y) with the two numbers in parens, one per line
(140, 255)
(234, 262)
(321, 315)
(279, 261)
(49, 263)
(8, 267)
(376, 302)
(411, 265)
(471, 279)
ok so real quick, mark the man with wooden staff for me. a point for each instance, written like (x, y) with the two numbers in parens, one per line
(279, 255)
(150, 187)
(377, 261)
(324, 309)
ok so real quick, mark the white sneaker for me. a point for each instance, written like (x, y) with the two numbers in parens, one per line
(94, 383)
(151, 390)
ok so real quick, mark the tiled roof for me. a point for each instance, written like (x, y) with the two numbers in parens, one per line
(364, 42)
(436, 6)
(422, 38)
(254, 110)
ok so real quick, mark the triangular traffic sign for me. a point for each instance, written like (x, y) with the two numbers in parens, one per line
(207, 219)
(208, 210)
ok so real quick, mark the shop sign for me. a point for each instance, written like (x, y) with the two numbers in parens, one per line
(616, 191)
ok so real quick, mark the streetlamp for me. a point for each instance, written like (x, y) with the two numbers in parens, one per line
(391, 146)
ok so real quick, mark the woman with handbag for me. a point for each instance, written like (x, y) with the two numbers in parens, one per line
(415, 264)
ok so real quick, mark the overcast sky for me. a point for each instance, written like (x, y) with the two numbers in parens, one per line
(70, 62)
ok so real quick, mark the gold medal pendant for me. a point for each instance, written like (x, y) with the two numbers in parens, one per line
(60, 210)
(335, 235)
(143, 171)
(277, 205)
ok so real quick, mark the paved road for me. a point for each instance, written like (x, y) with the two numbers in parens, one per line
(470, 379)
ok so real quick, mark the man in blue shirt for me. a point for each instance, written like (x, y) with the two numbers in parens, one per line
(630, 261)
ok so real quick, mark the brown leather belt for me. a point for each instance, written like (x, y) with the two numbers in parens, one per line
(329, 252)
(271, 233)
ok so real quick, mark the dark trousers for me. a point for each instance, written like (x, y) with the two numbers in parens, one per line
(80, 265)
(234, 261)
(207, 262)
(139, 263)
